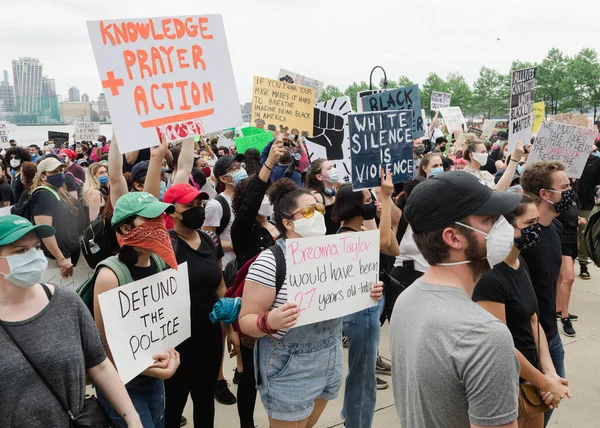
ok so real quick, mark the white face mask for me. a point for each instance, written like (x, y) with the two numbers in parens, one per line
(480, 158)
(15, 163)
(266, 209)
(499, 242)
(313, 226)
(333, 176)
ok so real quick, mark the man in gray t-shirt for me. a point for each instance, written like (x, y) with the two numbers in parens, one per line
(453, 363)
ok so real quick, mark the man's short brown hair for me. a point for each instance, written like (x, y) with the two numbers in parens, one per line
(432, 246)
(538, 176)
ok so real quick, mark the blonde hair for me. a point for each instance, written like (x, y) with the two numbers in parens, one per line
(91, 181)
(62, 191)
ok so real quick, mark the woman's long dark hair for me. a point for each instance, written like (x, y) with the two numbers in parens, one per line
(312, 182)
(252, 159)
(284, 195)
(348, 204)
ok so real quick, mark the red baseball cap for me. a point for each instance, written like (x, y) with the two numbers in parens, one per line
(183, 193)
(70, 153)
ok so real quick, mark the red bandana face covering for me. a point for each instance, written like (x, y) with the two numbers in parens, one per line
(152, 236)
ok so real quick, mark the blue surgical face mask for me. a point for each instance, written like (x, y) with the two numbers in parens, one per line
(436, 171)
(517, 188)
(520, 169)
(26, 269)
(597, 154)
(103, 179)
(238, 176)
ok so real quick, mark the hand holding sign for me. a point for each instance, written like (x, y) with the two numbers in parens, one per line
(328, 132)
(165, 365)
(283, 317)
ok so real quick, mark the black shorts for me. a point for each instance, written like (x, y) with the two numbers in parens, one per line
(569, 250)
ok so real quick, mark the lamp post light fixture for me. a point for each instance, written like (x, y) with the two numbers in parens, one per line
(385, 81)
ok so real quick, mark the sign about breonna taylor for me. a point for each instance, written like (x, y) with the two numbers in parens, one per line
(407, 98)
(568, 144)
(332, 276)
(145, 318)
(169, 76)
(86, 131)
(522, 95)
(439, 100)
(381, 140)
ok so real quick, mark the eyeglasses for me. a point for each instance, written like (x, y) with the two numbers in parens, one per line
(309, 210)
(236, 168)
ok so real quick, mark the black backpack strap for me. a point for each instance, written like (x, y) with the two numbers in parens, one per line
(280, 267)
(226, 214)
(174, 240)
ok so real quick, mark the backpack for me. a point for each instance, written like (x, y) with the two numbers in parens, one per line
(78, 184)
(237, 289)
(591, 236)
(226, 214)
(120, 269)
(98, 242)
(24, 207)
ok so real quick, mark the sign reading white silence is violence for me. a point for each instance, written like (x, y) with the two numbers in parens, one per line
(332, 276)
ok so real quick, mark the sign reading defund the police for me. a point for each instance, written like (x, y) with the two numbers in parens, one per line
(332, 276)
(145, 318)
(381, 140)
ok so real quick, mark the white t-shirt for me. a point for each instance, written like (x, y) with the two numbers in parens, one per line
(214, 214)
(409, 251)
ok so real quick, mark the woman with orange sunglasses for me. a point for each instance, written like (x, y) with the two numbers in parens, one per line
(297, 370)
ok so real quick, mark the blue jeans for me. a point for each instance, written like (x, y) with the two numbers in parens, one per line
(148, 397)
(557, 352)
(362, 330)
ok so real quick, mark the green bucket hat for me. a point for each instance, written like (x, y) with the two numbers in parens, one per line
(140, 204)
(14, 227)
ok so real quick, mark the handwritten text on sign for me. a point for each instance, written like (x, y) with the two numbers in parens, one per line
(168, 76)
(298, 79)
(407, 98)
(283, 105)
(568, 144)
(332, 276)
(439, 100)
(4, 134)
(146, 317)
(86, 131)
(453, 118)
(522, 95)
(380, 140)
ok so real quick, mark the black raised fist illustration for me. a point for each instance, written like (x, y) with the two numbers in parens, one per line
(328, 132)
(286, 79)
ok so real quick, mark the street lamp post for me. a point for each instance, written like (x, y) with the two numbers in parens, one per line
(385, 82)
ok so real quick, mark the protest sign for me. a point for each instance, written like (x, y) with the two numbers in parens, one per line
(360, 95)
(488, 127)
(407, 98)
(4, 134)
(522, 94)
(571, 119)
(453, 118)
(475, 131)
(146, 317)
(568, 144)
(251, 130)
(439, 100)
(330, 138)
(298, 79)
(168, 76)
(539, 114)
(54, 135)
(381, 140)
(283, 105)
(86, 131)
(332, 276)
(256, 141)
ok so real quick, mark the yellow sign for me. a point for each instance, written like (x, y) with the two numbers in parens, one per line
(539, 113)
(282, 106)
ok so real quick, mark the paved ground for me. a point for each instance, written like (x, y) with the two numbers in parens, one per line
(582, 366)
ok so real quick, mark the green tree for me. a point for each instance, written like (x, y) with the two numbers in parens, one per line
(404, 81)
(354, 89)
(461, 93)
(489, 92)
(584, 75)
(433, 83)
(552, 81)
(392, 84)
(330, 92)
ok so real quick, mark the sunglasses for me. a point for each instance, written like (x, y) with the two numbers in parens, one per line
(308, 211)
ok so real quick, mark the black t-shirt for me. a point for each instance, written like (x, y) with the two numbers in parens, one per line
(204, 275)
(544, 261)
(511, 287)
(7, 194)
(18, 186)
(143, 155)
(590, 178)
(141, 272)
(568, 219)
(45, 203)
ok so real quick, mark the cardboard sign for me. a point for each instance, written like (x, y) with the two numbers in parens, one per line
(488, 127)
(167, 76)
(439, 100)
(283, 105)
(571, 119)
(4, 134)
(332, 276)
(86, 131)
(146, 317)
(453, 118)
(568, 144)
(251, 130)
(330, 138)
(522, 94)
(256, 141)
(539, 114)
(381, 140)
(298, 79)
(475, 131)
(407, 98)
(54, 135)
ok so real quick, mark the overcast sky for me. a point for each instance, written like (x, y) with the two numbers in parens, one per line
(335, 41)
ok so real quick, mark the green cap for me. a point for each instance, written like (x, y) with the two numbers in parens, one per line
(141, 204)
(14, 227)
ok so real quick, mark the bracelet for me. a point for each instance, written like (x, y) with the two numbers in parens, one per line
(263, 325)
(514, 160)
(268, 167)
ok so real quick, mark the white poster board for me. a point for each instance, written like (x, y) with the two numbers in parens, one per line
(332, 276)
(4, 134)
(522, 95)
(299, 79)
(453, 118)
(145, 318)
(439, 100)
(86, 131)
(362, 94)
(167, 76)
(568, 144)
(488, 127)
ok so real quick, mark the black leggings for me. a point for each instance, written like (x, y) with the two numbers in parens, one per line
(197, 374)
(246, 393)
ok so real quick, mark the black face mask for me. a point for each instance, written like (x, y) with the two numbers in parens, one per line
(79, 155)
(369, 210)
(193, 218)
(567, 200)
(530, 236)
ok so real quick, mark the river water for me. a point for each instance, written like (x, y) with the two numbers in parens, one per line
(26, 135)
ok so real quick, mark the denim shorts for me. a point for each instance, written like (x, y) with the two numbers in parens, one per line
(291, 376)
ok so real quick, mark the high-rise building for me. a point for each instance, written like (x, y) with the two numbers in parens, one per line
(74, 94)
(27, 75)
(49, 112)
(102, 107)
(85, 98)
(7, 95)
